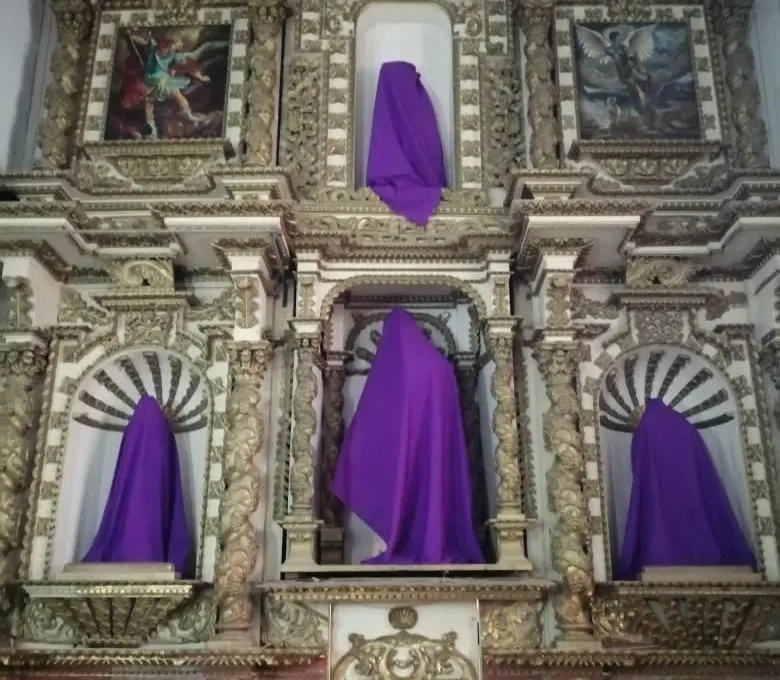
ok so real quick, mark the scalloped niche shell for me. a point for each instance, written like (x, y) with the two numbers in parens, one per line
(101, 408)
(692, 386)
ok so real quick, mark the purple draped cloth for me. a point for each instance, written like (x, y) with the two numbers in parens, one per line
(405, 157)
(679, 514)
(403, 467)
(144, 519)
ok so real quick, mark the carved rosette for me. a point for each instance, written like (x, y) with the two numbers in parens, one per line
(536, 24)
(334, 377)
(240, 548)
(22, 366)
(56, 131)
(558, 364)
(750, 135)
(266, 18)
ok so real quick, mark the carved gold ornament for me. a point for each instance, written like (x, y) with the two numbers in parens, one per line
(404, 654)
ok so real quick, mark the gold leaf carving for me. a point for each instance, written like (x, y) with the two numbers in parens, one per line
(404, 655)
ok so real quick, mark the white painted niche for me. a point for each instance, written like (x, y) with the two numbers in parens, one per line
(418, 33)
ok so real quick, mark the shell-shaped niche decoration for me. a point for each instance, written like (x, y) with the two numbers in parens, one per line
(109, 397)
(682, 380)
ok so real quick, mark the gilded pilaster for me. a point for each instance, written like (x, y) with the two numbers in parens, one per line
(332, 534)
(238, 536)
(536, 22)
(749, 147)
(558, 363)
(21, 369)
(301, 522)
(509, 523)
(57, 131)
(558, 355)
(266, 18)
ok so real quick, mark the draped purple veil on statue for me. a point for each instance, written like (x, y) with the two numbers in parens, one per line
(405, 157)
(679, 513)
(403, 467)
(144, 518)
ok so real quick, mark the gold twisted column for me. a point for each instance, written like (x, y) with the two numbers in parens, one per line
(266, 18)
(558, 363)
(238, 536)
(332, 533)
(301, 522)
(58, 130)
(22, 367)
(536, 23)
(509, 522)
(749, 147)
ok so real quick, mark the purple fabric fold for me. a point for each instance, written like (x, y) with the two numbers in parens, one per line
(405, 156)
(403, 467)
(679, 513)
(144, 519)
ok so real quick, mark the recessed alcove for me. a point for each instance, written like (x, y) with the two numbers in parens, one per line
(101, 407)
(420, 33)
(451, 317)
(693, 387)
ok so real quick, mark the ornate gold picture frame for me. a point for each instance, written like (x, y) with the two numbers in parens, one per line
(638, 86)
(161, 79)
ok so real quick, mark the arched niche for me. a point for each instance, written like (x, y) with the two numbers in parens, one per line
(449, 316)
(693, 387)
(101, 408)
(420, 33)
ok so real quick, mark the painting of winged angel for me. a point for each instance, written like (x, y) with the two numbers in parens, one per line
(169, 83)
(635, 81)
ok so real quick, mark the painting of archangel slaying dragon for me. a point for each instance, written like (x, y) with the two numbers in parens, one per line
(635, 81)
(169, 83)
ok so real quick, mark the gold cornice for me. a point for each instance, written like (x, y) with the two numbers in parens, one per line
(407, 591)
(260, 657)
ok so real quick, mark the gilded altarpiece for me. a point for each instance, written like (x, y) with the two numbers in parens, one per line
(174, 252)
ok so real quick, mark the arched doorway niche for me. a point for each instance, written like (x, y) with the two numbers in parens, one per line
(101, 406)
(691, 385)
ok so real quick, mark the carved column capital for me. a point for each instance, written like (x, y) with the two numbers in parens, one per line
(249, 360)
(558, 362)
(267, 14)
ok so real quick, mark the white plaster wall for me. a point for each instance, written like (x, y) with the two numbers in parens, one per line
(764, 29)
(421, 34)
(27, 36)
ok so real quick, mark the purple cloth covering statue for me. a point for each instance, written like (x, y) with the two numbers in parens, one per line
(144, 519)
(679, 514)
(405, 157)
(403, 467)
